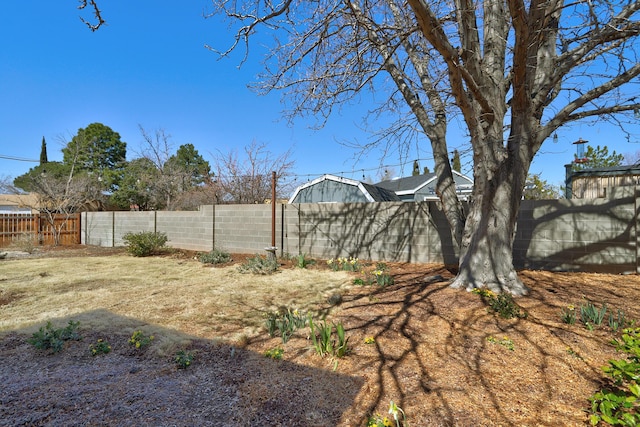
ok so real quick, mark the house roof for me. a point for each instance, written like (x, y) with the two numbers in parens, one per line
(407, 185)
(371, 192)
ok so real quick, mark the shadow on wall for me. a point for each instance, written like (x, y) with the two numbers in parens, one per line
(597, 235)
(401, 232)
(226, 385)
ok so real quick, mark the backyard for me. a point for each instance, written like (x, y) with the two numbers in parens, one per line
(437, 353)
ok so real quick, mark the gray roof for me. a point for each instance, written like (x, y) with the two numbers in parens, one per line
(380, 194)
(410, 183)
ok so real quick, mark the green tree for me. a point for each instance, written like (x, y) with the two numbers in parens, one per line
(455, 162)
(539, 189)
(416, 168)
(189, 167)
(52, 170)
(97, 150)
(137, 189)
(599, 157)
(43, 152)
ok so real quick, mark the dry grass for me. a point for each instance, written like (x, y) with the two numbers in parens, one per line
(433, 354)
(180, 294)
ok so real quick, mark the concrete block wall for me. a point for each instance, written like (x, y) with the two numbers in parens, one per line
(579, 234)
(582, 235)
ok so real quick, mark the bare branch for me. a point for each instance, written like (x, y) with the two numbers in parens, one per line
(96, 13)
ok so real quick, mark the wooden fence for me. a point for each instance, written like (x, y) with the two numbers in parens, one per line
(16, 227)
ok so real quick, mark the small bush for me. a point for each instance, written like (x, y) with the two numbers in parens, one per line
(274, 353)
(258, 265)
(25, 242)
(145, 243)
(216, 256)
(51, 338)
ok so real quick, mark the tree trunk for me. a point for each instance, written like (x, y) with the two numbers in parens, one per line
(486, 253)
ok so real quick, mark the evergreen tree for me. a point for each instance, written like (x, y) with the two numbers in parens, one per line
(416, 168)
(455, 162)
(43, 153)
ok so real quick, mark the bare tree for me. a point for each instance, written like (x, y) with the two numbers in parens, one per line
(248, 180)
(515, 72)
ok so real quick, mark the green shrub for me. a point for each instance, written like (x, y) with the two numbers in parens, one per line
(274, 353)
(216, 256)
(140, 340)
(145, 243)
(100, 347)
(259, 265)
(303, 262)
(621, 404)
(49, 337)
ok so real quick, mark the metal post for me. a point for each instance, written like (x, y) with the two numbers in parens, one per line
(272, 250)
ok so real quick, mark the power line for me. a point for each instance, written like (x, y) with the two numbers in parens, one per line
(19, 159)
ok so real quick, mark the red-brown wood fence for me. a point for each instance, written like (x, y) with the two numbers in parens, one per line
(15, 227)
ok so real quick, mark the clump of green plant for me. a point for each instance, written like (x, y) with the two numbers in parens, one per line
(274, 353)
(506, 342)
(140, 340)
(568, 314)
(396, 412)
(144, 243)
(50, 338)
(617, 321)
(100, 347)
(284, 323)
(621, 404)
(302, 261)
(183, 359)
(216, 256)
(259, 265)
(501, 303)
(330, 339)
(383, 278)
(592, 315)
(345, 264)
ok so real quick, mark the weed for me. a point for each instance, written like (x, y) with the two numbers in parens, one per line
(369, 340)
(183, 359)
(501, 303)
(259, 265)
(621, 404)
(145, 243)
(274, 353)
(506, 342)
(100, 347)
(140, 340)
(216, 256)
(51, 338)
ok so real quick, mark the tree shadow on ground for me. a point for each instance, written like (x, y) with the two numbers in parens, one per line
(225, 385)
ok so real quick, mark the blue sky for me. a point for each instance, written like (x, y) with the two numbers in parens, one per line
(149, 67)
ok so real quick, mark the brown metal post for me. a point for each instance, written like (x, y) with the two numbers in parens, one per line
(273, 209)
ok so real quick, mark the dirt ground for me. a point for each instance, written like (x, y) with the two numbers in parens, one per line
(434, 351)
